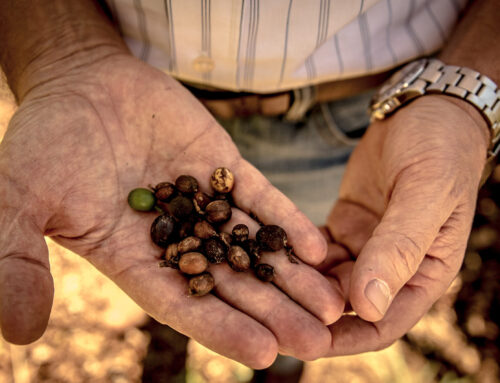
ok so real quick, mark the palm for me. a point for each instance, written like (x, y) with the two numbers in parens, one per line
(75, 151)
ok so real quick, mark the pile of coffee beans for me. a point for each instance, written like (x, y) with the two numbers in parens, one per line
(189, 229)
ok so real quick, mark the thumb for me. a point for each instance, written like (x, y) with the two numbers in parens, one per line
(399, 243)
(26, 285)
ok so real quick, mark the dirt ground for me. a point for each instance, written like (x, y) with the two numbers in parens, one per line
(97, 334)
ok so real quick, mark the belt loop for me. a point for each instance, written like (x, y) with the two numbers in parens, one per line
(303, 100)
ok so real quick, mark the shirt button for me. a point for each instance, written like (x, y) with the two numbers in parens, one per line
(203, 64)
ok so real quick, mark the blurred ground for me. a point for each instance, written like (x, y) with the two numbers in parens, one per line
(97, 334)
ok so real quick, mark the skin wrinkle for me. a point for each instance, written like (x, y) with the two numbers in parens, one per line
(21, 256)
(218, 293)
(38, 219)
(362, 206)
(47, 81)
(342, 238)
(403, 173)
(92, 247)
(257, 197)
(118, 220)
(227, 321)
(15, 220)
(225, 281)
(267, 317)
(409, 254)
(420, 275)
(195, 140)
(372, 326)
(125, 269)
(148, 159)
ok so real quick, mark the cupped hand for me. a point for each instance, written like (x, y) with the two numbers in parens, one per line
(75, 148)
(399, 230)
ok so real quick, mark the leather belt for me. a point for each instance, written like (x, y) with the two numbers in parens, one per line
(292, 105)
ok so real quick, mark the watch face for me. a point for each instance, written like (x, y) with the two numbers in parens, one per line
(401, 79)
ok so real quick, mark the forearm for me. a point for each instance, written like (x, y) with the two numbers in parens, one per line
(43, 39)
(474, 43)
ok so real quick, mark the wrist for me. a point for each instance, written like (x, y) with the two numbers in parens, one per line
(60, 37)
(60, 63)
(479, 122)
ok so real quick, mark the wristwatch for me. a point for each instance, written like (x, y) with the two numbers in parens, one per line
(431, 76)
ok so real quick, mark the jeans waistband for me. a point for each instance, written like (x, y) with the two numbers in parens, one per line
(292, 104)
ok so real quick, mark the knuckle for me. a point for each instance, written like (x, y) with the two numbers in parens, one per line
(409, 253)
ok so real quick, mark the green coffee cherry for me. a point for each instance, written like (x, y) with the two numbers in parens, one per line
(141, 199)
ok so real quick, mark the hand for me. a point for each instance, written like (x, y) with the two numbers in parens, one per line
(404, 215)
(75, 148)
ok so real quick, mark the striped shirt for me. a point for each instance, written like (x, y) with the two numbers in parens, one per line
(274, 45)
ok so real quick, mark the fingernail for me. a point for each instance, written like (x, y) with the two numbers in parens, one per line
(378, 293)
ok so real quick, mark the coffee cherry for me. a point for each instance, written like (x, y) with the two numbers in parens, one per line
(163, 230)
(162, 206)
(226, 239)
(189, 244)
(253, 250)
(172, 256)
(204, 230)
(193, 263)
(240, 233)
(164, 191)
(186, 227)
(218, 212)
(223, 197)
(238, 259)
(200, 201)
(141, 199)
(214, 250)
(186, 184)
(264, 272)
(181, 207)
(222, 180)
(271, 237)
(201, 284)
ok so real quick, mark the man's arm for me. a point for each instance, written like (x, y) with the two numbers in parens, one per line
(474, 43)
(43, 40)
(95, 122)
(408, 198)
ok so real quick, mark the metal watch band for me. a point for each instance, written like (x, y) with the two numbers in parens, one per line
(467, 84)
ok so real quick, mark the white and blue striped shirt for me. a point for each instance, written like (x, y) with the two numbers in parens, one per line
(275, 45)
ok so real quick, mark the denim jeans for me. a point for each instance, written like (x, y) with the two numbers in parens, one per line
(304, 160)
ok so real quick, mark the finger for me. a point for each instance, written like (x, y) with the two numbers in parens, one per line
(162, 293)
(394, 252)
(353, 335)
(340, 277)
(132, 263)
(301, 282)
(298, 332)
(336, 253)
(351, 225)
(26, 286)
(254, 194)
